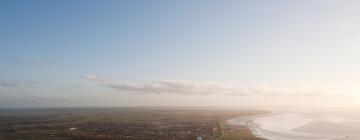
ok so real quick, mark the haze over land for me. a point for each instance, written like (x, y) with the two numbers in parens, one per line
(179, 53)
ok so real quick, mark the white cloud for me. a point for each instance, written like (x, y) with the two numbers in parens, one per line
(17, 83)
(91, 77)
(185, 87)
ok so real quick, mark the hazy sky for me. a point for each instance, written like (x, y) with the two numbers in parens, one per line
(179, 53)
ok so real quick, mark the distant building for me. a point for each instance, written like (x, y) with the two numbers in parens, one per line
(72, 128)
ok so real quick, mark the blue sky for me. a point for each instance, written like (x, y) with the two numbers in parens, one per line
(58, 50)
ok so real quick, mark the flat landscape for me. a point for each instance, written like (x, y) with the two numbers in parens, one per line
(122, 123)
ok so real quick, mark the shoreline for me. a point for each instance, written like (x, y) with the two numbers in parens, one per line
(270, 129)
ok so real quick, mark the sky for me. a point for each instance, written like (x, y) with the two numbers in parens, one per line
(75, 53)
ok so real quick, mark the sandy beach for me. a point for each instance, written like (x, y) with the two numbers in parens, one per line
(301, 126)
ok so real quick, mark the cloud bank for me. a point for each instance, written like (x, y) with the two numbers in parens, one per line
(185, 87)
(169, 86)
(16, 83)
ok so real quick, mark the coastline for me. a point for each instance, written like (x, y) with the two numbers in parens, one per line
(271, 127)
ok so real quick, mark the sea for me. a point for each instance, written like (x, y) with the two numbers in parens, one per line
(304, 125)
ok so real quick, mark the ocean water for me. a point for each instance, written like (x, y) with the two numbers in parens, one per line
(303, 125)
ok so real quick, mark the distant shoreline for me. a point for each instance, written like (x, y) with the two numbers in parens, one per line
(296, 126)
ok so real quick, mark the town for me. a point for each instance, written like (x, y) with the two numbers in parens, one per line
(114, 124)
